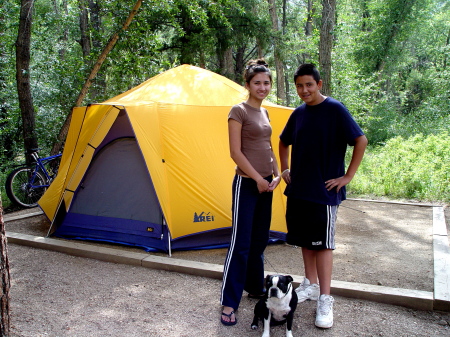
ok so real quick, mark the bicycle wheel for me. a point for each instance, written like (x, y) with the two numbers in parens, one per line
(19, 188)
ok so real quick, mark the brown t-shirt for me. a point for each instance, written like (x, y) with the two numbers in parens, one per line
(255, 137)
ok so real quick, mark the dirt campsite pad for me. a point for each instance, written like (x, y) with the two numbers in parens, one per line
(384, 244)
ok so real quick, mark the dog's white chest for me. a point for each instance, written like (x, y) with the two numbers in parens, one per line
(279, 307)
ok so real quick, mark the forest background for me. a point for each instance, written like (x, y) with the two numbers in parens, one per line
(387, 61)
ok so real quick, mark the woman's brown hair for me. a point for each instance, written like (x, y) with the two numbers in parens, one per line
(255, 67)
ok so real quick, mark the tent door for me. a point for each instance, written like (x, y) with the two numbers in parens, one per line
(116, 200)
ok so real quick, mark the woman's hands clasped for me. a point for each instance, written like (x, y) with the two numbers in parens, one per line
(273, 185)
(265, 186)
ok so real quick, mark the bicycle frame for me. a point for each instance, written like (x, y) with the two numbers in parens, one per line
(40, 166)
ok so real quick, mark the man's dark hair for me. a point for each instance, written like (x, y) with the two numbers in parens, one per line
(307, 69)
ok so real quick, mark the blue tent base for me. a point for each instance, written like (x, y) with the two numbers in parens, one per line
(113, 230)
(147, 249)
(152, 249)
(221, 239)
(135, 233)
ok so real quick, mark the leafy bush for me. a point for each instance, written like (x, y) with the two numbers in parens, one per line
(414, 168)
(3, 198)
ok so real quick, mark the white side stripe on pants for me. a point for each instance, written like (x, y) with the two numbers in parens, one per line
(233, 235)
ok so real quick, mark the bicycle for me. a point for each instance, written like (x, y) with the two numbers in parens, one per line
(25, 185)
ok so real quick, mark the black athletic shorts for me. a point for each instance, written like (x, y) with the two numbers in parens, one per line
(310, 225)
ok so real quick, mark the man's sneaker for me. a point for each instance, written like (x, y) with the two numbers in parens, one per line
(324, 314)
(307, 291)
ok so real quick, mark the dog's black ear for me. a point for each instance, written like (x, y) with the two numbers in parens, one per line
(268, 277)
(289, 278)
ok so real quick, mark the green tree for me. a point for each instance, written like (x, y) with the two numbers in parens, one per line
(390, 66)
(10, 123)
(23, 75)
(389, 59)
(109, 46)
(385, 25)
(277, 54)
(326, 43)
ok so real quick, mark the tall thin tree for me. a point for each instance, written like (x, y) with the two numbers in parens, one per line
(85, 39)
(326, 43)
(23, 74)
(281, 93)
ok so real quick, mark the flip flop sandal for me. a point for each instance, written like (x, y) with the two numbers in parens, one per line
(228, 323)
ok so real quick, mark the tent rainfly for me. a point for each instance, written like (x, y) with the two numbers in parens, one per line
(151, 167)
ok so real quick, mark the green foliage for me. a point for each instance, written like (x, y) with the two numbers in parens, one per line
(165, 34)
(10, 122)
(3, 197)
(391, 59)
(414, 168)
(390, 66)
(297, 47)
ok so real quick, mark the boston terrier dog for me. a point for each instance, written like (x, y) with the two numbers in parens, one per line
(278, 304)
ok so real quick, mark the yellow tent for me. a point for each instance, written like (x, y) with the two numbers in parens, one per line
(151, 167)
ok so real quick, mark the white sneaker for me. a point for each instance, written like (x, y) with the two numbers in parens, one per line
(324, 314)
(307, 291)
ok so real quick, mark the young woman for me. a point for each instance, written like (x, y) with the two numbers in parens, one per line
(256, 177)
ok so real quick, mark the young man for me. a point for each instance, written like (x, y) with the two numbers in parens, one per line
(319, 132)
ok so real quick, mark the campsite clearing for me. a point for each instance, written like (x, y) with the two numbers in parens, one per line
(56, 294)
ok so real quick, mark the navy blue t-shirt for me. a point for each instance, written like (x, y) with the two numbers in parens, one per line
(319, 135)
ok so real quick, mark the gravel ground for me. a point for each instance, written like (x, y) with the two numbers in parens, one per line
(53, 294)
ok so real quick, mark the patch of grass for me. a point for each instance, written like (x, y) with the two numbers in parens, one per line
(417, 168)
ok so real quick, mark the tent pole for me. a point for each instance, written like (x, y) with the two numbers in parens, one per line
(170, 247)
(169, 238)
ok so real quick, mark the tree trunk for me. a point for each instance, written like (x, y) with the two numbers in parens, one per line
(240, 64)
(95, 21)
(287, 101)
(85, 40)
(259, 48)
(287, 80)
(23, 74)
(4, 267)
(284, 20)
(202, 60)
(365, 16)
(110, 45)
(305, 57)
(309, 19)
(224, 52)
(447, 44)
(281, 93)
(226, 63)
(326, 43)
(62, 30)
